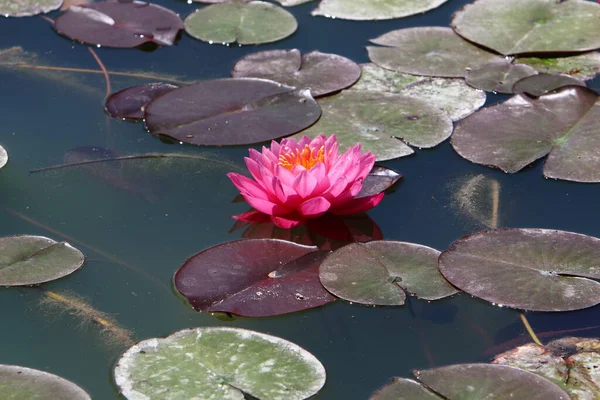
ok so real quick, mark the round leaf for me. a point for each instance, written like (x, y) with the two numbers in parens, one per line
(231, 112)
(404, 389)
(538, 85)
(25, 8)
(498, 76)
(322, 73)
(123, 24)
(378, 271)
(31, 260)
(3, 157)
(374, 9)
(427, 50)
(254, 278)
(530, 26)
(20, 383)
(218, 363)
(584, 66)
(129, 103)
(255, 22)
(531, 269)
(381, 122)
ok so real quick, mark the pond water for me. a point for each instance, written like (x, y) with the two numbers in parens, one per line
(149, 229)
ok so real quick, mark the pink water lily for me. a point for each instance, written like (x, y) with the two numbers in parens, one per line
(299, 180)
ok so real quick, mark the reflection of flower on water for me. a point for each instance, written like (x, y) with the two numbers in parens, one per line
(296, 181)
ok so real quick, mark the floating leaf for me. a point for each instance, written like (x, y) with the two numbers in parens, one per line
(451, 95)
(21, 383)
(26, 8)
(122, 24)
(218, 363)
(363, 10)
(68, 3)
(3, 157)
(322, 73)
(129, 103)
(288, 3)
(427, 50)
(538, 85)
(231, 112)
(513, 134)
(584, 66)
(31, 260)
(381, 122)
(404, 389)
(531, 269)
(379, 272)
(255, 22)
(498, 76)
(379, 180)
(530, 26)
(254, 278)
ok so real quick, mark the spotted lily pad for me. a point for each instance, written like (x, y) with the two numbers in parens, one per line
(498, 76)
(531, 269)
(427, 50)
(540, 84)
(123, 24)
(21, 383)
(218, 363)
(25, 8)
(530, 26)
(583, 66)
(322, 73)
(245, 23)
(129, 103)
(3, 156)
(231, 112)
(374, 9)
(31, 260)
(380, 272)
(381, 122)
(564, 124)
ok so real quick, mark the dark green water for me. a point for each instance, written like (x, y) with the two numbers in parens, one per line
(187, 209)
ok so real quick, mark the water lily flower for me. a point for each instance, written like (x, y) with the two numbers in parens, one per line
(296, 180)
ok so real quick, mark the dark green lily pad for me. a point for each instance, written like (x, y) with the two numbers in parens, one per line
(322, 73)
(26, 8)
(381, 122)
(513, 134)
(21, 383)
(255, 22)
(583, 66)
(218, 363)
(404, 389)
(31, 260)
(427, 50)
(530, 26)
(129, 103)
(3, 156)
(364, 10)
(379, 179)
(379, 272)
(498, 76)
(530, 269)
(538, 85)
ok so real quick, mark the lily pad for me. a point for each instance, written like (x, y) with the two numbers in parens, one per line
(129, 103)
(530, 269)
(255, 22)
(513, 134)
(404, 389)
(31, 260)
(363, 10)
(451, 95)
(379, 272)
(583, 66)
(21, 383)
(381, 122)
(289, 3)
(3, 157)
(530, 26)
(538, 85)
(379, 180)
(26, 8)
(122, 24)
(218, 363)
(427, 50)
(322, 73)
(498, 76)
(254, 278)
(231, 111)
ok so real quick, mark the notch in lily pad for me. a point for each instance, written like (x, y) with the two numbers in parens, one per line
(26, 383)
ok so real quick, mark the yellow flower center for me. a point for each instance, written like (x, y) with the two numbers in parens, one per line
(306, 157)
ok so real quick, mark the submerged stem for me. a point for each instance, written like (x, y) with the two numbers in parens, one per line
(530, 330)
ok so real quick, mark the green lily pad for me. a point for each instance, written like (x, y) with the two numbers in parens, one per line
(255, 22)
(381, 122)
(404, 389)
(427, 50)
(564, 124)
(380, 272)
(218, 363)
(451, 95)
(26, 8)
(498, 76)
(540, 84)
(530, 269)
(21, 383)
(31, 260)
(583, 66)
(364, 10)
(530, 26)
(3, 157)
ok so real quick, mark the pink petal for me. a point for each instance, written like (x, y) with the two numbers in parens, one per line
(285, 176)
(247, 186)
(252, 216)
(319, 173)
(337, 188)
(286, 223)
(314, 207)
(266, 206)
(304, 184)
(347, 195)
(360, 205)
(254, 169)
